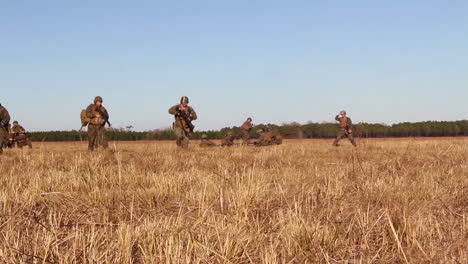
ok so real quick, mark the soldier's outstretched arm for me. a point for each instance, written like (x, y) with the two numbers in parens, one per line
(193, 114)
(173, 110)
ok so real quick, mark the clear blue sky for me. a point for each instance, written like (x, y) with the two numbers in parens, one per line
(277, 61)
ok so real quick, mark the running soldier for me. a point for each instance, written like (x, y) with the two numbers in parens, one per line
(184, 115)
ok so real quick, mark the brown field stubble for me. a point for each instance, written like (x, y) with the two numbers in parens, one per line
(389, 201)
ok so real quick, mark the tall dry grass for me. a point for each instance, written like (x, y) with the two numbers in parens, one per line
(389, 201)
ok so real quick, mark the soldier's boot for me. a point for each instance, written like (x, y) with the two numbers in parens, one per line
(184, 142)
(105, 144)
(351, 139)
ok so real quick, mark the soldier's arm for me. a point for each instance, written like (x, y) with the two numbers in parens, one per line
(193, 114)
(350, 123)
(337, 118)
(173, 110)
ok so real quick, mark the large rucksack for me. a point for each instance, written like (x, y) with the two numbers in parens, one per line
(84, 118)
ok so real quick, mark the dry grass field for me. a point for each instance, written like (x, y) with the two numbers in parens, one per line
(388, 201)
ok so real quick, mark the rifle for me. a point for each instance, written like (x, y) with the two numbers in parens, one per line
(105, 116)
(187, 120)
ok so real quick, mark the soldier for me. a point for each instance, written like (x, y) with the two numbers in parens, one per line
(4, 126)
(184, 115)
(228, 140)
(278, 139)
(266, 137)
(206, 142)
(17, 128)
(346, 130)
(20, 136)
(245, 128)
(98, 116)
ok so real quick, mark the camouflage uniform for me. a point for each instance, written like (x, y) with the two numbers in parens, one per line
(4, 122)
(278, 139)
(17, 128)
(96, 127)
(228, 140)
(181, 129)
(266, 138)
(245, 128)
(20, 136)
(345, 125)
(205, 142)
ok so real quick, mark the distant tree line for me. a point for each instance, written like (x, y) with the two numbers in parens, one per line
(289, 130)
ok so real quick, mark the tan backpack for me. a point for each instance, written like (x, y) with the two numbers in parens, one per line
(85, 120)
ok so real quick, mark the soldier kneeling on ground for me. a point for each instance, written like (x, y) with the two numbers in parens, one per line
(268, 138)
(19, 136)
(228, 140)
(205, 142)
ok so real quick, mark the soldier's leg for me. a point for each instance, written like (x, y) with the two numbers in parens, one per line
(245, 136)
(179, 133)
(102, 137)
(351, 138)
(338, 138)
(92, 137)
(185, 140)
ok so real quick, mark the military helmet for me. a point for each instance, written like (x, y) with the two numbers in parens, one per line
(343, 112)
(249, 119)
(204, 136)
(15, 122)
(98, 99)
(184, 99)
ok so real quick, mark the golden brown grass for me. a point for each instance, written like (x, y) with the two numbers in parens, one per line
(389, 201)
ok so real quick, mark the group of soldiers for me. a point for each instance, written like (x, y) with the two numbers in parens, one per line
(11, 136)
(96, 116)
(267, 137)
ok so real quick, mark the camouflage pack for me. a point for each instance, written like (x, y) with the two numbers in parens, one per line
(85, 120)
